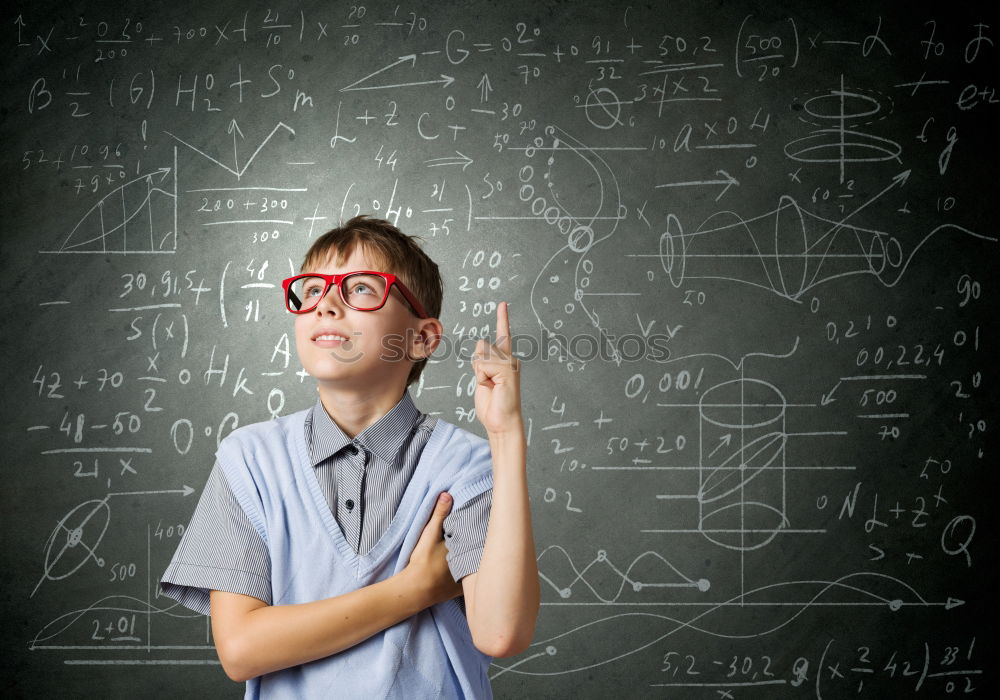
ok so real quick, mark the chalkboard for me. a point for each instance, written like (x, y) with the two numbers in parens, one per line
(750, 253)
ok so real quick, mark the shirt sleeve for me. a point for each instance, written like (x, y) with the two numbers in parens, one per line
(465, 534)
(220, 550)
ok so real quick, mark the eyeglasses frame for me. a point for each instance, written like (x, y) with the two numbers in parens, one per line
(336, 280)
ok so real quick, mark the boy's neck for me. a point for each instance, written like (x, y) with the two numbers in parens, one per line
(353, 411)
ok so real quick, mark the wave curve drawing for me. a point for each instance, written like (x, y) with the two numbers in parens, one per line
(601, 641)
(64, 628)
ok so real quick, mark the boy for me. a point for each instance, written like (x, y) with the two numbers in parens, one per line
(339, 583)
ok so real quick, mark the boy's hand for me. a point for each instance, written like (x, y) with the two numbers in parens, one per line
(428, 562)
(498, 378)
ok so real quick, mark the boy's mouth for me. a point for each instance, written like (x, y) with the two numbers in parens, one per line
(328, 338)
(330, 341)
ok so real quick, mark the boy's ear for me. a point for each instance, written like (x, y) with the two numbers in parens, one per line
(426, 338)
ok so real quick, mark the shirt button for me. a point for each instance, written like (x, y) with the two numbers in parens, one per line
(349, 504)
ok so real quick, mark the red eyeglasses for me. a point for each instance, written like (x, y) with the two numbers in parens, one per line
(363, 290)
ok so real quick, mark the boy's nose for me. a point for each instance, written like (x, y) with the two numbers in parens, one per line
(331, 301)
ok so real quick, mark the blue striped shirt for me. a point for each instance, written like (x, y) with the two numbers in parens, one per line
(363, 481)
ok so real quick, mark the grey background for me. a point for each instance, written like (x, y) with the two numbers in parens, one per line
(758, 453)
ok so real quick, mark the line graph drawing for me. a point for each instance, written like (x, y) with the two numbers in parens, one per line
(138, 216)
(578, 576)
(234, 129)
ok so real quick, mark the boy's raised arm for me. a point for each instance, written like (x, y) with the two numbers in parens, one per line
(503, 597)
(253, 638)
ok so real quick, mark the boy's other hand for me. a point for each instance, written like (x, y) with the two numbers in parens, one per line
(428, 562)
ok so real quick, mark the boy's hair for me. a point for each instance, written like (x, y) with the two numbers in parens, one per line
(392, 251)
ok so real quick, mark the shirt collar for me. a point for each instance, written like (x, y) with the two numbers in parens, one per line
(383, 438)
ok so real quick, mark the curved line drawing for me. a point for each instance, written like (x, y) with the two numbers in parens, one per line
(724, 613)
(807, 250)
(552, 302)
(63, 622)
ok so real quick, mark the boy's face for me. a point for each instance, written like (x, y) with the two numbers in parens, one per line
(364, 361)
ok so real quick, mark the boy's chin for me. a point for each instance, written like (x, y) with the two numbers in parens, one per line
(370, 379)
(342, 375)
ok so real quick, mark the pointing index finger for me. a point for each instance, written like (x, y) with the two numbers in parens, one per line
(503, 327)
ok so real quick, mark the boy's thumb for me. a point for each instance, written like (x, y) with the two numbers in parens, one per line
(443, 503)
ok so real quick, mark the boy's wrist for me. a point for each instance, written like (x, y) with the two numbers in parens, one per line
(507, 439)
(514, 432)
(414, 587)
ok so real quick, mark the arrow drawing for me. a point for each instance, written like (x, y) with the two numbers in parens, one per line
(462, 160)
(446, 80)
(729, 181)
